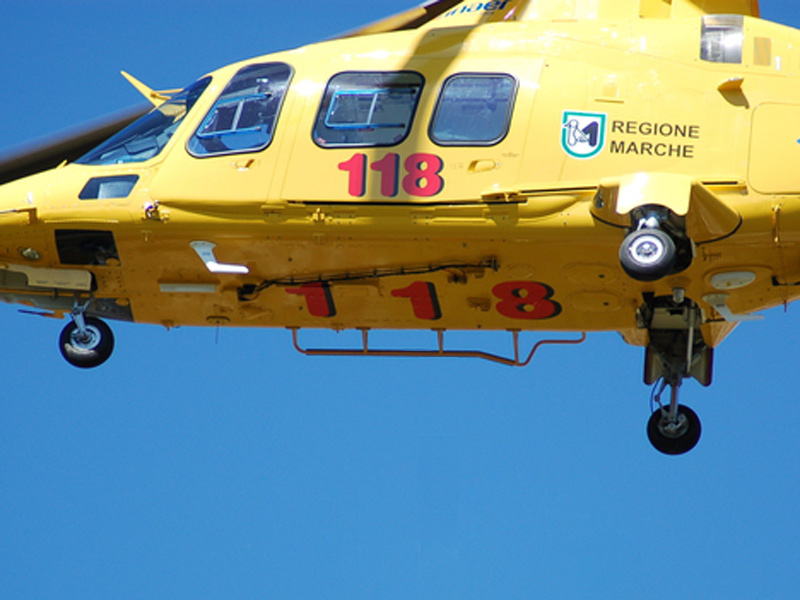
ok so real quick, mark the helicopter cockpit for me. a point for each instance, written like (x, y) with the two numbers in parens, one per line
(146, 137)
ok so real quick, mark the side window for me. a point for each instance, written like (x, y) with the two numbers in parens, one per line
(85, 247)
(243, 118)
(367, 109)
(115, 186)
(722, 38)
(473, 110)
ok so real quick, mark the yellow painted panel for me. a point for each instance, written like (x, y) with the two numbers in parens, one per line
(762, 51)
(656, 9)
(686, 8)
(775, 149)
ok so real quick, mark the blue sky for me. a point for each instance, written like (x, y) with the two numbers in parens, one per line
(220, 464)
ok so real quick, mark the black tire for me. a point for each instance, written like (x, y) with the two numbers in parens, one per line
(675, 441)
(647, 254)
(90, 352)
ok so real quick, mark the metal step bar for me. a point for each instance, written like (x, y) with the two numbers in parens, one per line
(365, 350)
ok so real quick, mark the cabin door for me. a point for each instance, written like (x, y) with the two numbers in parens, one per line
(431, 132)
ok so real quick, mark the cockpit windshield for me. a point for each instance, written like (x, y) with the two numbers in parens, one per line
(146, 137)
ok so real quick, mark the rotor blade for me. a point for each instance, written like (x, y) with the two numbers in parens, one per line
(42, 155)
(409, 19)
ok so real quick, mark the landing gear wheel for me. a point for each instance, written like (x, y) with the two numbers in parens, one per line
(90, 349)
(675, 437)
(647, 254)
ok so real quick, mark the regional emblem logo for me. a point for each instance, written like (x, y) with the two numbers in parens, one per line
(583, 134)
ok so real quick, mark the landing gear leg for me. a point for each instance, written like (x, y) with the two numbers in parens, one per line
(86, 342)
(675, 351)
(674, 429)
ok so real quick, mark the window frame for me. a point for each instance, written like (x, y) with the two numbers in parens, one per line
(221, 101)
(474, 143)
(328, 96)
(722, 39)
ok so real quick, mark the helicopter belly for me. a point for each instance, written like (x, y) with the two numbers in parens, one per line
(338, 279)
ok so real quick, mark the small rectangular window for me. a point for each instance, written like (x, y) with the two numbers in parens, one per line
(116, 186)
(86, 247)
(367, 109)
(473, 110)
(243, 118)
(722, 38)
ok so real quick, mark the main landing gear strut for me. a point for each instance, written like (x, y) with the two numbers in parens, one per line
(85, 342)
(676, 351)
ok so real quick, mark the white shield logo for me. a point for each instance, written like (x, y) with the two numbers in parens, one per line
(583, 134)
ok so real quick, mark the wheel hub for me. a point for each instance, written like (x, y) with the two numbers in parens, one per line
(673, 428)
(647, 251)
(86, 340)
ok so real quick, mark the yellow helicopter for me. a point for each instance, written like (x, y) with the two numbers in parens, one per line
(507, 165)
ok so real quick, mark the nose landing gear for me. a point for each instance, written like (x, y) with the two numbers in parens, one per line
(656, 246)
(647, 254)
(86, 342)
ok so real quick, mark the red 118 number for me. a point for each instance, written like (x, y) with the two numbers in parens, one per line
(521, 300)
(422, 174)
